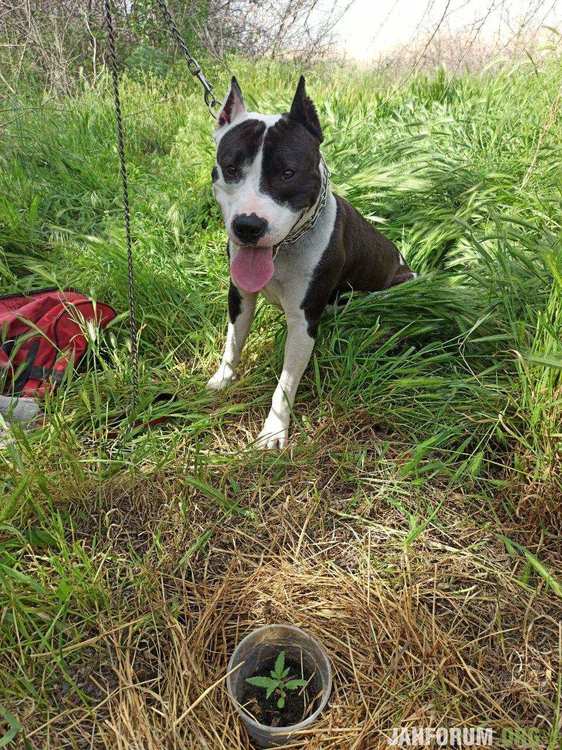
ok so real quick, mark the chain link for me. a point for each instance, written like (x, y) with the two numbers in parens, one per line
(126, 207)
(192, 64)
(195, 70)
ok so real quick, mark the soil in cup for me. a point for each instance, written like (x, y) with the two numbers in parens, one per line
(299, 703)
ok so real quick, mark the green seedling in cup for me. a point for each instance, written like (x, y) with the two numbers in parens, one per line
(279, 681)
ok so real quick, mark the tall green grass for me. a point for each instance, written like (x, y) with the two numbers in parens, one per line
(460, 370)
(463, 173)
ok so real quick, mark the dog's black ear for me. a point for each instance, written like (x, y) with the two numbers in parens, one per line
(233, 105)
(304, 111)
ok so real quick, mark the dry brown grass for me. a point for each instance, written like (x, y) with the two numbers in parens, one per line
(438, 633)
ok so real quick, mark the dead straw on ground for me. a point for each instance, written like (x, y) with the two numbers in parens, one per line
(437, 633)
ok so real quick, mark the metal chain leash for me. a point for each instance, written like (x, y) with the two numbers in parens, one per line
(195, 70)
(192, 64)
(126, 208)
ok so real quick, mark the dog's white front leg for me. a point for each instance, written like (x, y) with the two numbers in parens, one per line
(298, 348)
(241, 308)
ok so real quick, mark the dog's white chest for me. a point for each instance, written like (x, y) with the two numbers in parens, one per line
(290, 280)
(273, 293)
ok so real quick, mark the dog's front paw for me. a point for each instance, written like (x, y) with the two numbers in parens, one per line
(274, 434)
(223, 377)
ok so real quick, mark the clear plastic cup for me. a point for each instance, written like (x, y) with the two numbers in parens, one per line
(259, 647)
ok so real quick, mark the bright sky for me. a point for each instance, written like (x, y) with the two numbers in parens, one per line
(373, 26)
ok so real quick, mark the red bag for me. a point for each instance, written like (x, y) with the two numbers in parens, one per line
(41, 333)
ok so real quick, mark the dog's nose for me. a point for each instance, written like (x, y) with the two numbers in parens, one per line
(249, 228)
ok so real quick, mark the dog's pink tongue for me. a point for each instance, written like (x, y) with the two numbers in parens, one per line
(252, 268)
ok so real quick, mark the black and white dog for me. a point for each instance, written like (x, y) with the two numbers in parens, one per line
(289, 237)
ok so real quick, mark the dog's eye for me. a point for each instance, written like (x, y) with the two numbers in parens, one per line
(288, 173)
(230, 171)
